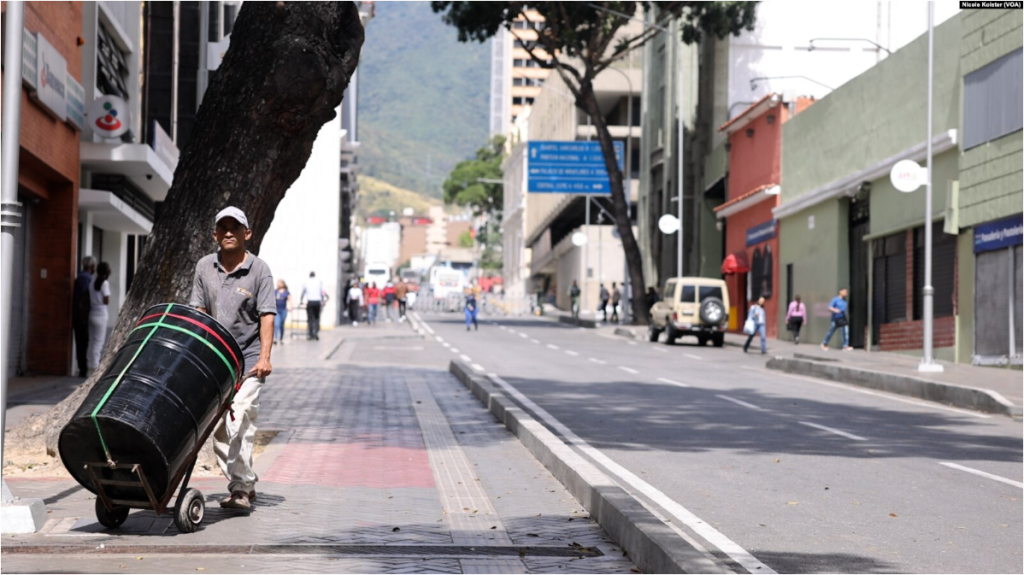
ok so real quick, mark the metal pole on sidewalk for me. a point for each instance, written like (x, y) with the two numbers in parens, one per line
(586, 255)
(928, 362)
(10, 209)
(681, 150)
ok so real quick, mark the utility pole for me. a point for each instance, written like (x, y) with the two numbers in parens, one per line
(928, 362)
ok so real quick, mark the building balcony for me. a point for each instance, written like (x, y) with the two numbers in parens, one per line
(139, 163)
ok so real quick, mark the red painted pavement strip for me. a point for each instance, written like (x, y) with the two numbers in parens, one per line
(357, 464)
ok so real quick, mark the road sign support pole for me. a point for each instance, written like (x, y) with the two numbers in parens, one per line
(586, 254)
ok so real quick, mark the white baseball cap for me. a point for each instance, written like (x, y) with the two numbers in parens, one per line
(232, 212)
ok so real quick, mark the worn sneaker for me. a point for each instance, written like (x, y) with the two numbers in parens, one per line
(252, 496)
(237, 500)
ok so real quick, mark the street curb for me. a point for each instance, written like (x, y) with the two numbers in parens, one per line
(588, 323)
(945, 393)
(648, 541)
(625, 332)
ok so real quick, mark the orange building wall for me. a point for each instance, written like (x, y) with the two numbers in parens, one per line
(736, 241)
(48, 175)
(756, 160)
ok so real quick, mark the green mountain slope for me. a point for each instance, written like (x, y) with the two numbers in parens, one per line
(423, 97)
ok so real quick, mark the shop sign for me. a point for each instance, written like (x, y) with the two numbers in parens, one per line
(51, 68)
(164, 146)
(29, 46)
(108, 116)
(907, 176)
(997, 235)
(75, 102)
(760, 233)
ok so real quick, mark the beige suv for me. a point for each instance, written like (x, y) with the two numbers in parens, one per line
(691, 306)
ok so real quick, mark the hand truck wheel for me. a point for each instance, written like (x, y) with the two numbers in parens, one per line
(110, 519)
(189, 511)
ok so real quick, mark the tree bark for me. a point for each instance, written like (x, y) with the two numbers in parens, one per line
(638, 303)
(281, 80)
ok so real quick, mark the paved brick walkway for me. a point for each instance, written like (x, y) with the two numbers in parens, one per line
(384, 464)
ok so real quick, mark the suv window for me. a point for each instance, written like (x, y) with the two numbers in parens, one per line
(670, 291)
(689, 292)
(710, 291)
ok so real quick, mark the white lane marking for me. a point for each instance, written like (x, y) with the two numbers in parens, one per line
(446, 344)
(429, 329)
(982, 474)
(466, 358)
(478, 367)
(523, 335)
(833, 430)
(503, 327)
(691, 356)
(628, 369)
(680, 513)
(398, 347)
(455, 350)
(439, 338)
(598, 361)
(670, 382)
(536, 341)
(661, 349)
(571, 352)
(848, 387)
(631, 342)
(743, 403)
(552, 346)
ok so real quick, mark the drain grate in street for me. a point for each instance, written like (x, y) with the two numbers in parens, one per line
(433, 551)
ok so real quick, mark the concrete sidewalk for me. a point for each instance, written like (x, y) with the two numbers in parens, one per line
(384, 463)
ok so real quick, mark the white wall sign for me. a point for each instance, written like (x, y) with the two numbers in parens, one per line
(668, 224)
(75, 102)
(108, 116)
(579, 239)
(51, 69)
(907, 176)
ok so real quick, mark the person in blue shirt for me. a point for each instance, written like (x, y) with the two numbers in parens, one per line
(756, 314)
(840, 320)
(283, 299)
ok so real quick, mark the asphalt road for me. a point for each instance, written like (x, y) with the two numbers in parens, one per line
(771, 471)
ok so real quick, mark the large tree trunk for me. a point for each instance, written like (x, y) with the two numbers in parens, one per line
(620, 210)
(284, 74)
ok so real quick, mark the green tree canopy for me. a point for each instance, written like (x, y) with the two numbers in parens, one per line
(476, 183)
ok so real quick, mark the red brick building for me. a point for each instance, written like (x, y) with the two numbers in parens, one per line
(48, 182)
(751, 265)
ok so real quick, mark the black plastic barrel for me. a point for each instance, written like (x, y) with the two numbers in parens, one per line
(162, 392)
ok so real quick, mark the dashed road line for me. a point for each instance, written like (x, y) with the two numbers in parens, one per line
(439, 338)
(661, 349)
(552, 346)
(455, 350)
(743, 403)
(677, 511)
(980, 473)
(478, 367)
(536, 341)
(670, 382)
(628, 369)
(833, 430)
(466, 358)
(523, 335)
(691, 356)
(446, 344)
(571, 352)
(597, 361)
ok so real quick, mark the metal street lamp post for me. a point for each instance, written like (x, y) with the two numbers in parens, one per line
(928, 291)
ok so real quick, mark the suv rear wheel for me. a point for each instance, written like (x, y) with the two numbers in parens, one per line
(712, 311)
(652, 332)
(670, 335)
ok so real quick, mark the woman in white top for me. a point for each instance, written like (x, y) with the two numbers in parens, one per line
(99, 297)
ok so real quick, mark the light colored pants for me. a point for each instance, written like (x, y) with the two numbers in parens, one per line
(233, 441)
(97, 337)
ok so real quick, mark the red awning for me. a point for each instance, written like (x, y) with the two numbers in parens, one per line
(735, 263)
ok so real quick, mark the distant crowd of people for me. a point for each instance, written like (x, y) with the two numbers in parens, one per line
(364, 301)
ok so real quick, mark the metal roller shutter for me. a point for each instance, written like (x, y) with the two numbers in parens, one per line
(19, 302)
(991, 307)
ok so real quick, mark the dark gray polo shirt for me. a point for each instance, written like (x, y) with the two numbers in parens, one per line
(236, 300)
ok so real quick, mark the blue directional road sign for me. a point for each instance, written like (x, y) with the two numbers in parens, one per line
(569, 168)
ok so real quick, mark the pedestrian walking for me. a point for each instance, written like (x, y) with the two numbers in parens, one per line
(283, 300)
(80, 305)
(574, 299)
(315, 296)
(372, 302)
(840, 320)
(616, 298)
(796, 315)
(237, 288)
(401, 294)
(755, 325)
(471, 309)
(99, 299)
(389, 299)
(355, 302)
(603, 297)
